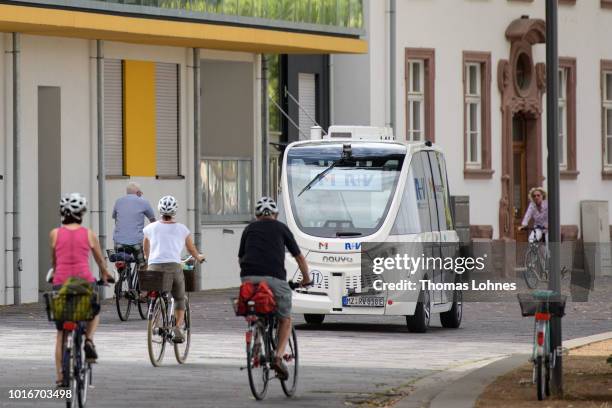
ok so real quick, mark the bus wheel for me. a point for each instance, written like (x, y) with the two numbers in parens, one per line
(452, 318)
(315, 319)
(419, 322)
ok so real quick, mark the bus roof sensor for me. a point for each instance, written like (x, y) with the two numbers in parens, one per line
(359, 133)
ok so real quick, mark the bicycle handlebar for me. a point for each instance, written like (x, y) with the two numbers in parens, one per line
(294, 285)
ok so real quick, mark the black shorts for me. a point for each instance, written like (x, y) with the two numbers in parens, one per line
(134, 249)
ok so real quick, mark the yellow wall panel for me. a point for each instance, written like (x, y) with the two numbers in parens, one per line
(139, 118)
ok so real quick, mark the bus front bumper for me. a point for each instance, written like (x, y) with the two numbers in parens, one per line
(311, 304)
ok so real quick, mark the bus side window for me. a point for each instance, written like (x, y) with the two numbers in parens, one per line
(439, 190)
(438, 168)
(413, 215)
(430, 188)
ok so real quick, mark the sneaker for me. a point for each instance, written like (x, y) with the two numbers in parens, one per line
(178, 336)
(60, 384)
(90, 351)
(281, 369)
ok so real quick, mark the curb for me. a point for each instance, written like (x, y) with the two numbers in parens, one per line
(465, 391)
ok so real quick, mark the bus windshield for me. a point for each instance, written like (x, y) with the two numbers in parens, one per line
(338, 194)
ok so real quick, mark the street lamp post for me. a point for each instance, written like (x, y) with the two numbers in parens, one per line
(554, 225)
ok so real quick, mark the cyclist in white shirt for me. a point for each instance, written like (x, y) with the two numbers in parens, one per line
(164, 241)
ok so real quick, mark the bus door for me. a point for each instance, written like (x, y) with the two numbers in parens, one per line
(435, 269)
(444, 220)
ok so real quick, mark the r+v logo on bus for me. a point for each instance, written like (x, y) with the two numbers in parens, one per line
(348, 246)
(352, 246)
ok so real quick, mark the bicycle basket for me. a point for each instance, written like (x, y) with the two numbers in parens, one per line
(190, 280)
(155, 280)
(70, 307)
(531, 304)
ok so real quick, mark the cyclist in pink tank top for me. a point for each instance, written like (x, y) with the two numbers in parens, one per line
(70, 247)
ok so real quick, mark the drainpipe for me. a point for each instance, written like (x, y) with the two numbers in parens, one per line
(101, 169)
(17, 266)
(197, 180)
(265, 153)
(332, 112)
(392, 61)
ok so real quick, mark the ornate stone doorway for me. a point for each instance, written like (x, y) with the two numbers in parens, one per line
(521, 84)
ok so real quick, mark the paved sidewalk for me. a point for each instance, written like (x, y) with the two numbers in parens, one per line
(464, 392)
(348, 361)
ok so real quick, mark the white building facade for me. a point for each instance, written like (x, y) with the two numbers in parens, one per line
(470, 76)
(149, 120)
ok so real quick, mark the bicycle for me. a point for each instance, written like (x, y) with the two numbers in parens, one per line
(161, 318)
(261, 341)
(74, 311)
(127, 289)
(537, 259)
(542, 304)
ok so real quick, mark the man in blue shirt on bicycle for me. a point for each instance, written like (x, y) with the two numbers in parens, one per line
(262, 257)
(129, 214)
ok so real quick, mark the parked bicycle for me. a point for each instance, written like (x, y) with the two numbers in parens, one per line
(161, 317)
(73, 310)
(537, 259)
(543, 305)
(127, 289)
(261, 341)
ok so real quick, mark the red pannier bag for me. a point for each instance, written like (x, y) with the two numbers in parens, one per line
(260, 293)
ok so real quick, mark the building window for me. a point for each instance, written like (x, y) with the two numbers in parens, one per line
(141, 119)
(607, 117)
(477, 114)
(473, 115)
(567, 118)
(113, 117)
(562, 118)
(416, 100)
(167, 118)
(226, 189)
(420, 106)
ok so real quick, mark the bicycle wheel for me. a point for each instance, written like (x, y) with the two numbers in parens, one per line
(547, 380)
(72, 379)
(533, 269)
(257, 361)
(82, 376)
(181, 350)
(156, 332)
(291, 360)
(143, 306)
(540, 378)
(84, 385)
(122, 299)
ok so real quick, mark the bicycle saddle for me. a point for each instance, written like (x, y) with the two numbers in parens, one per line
(121, 256)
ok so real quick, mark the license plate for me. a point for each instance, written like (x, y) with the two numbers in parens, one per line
(365, 301)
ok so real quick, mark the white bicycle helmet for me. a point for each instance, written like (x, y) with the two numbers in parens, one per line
(73, 204)
(265, 206)
(167, 206)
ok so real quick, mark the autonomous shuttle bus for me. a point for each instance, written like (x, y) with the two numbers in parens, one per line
(355, 190)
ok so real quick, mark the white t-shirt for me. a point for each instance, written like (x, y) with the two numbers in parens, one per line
(167, 241)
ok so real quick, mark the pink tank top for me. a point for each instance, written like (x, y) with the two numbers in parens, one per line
(72, 255)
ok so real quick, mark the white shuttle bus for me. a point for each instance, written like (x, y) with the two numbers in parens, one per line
(356, 185)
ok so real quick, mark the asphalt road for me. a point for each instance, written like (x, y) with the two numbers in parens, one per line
(346, 362)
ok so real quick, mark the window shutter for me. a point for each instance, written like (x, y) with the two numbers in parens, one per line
(307, 97)
(113, 117)
(167, 111)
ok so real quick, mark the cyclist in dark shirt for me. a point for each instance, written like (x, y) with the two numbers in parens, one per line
(262, 257)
